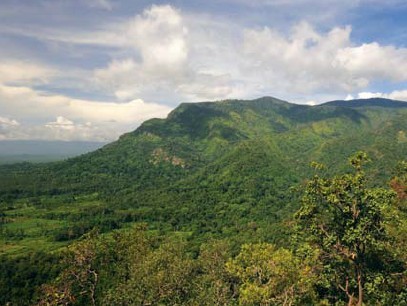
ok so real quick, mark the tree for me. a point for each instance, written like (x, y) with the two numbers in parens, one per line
(213, 284)
(345, 220)
(272, 276)
(147, 274)
(78, 282)
(397, 226)
(399, 181)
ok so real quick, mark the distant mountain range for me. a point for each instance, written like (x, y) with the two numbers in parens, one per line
(43, 151)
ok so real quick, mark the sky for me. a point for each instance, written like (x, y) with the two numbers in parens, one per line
(95, 69)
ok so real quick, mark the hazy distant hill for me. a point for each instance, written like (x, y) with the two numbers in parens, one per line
(43, 151)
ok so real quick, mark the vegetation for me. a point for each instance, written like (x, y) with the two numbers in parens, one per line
(214, 206)
(345, 221)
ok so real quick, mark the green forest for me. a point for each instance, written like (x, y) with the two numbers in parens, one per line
(235, 202)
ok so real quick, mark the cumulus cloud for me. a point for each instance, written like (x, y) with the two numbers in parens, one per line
(8, 127)
(40, 105)
(60, 129)
(17, 71)
(398, 95)
(394, 95)
(158, 37)
(33, 108)
(65, 129)
(179, 56)
(368, 95)
(307, 61)
(373, 61)
(111, 118)
(7, 122)
(167, 55)
(61, 123)
(187, 57)
(304, 57)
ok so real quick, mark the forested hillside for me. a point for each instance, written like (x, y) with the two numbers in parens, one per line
(214, 193)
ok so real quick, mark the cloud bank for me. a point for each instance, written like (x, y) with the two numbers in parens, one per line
(207, 59)
(165, 55)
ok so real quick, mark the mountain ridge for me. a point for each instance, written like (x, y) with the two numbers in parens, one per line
(210, 161)
(370, 102)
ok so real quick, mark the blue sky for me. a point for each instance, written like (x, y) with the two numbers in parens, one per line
(94, 69)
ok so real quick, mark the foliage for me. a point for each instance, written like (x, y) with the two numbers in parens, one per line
(271, 276)
(149, 275)
(209, 173)
(78, 281)
(213, 284)
(21, 277)
(345, 220)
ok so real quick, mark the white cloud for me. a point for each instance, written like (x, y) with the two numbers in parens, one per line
(8, 127)
(303, 61)
(394, 95)
(113, 118)
(368, 95)
(308, 61)
(13, 71)
(158, 37)
(167, 56)
(60, 129)
(65, 129)
(398, 95)
(7, 122)
(373, 61)
(178, 57)
(26, 102)
(62, 123)
(196, 58)
(349, 97)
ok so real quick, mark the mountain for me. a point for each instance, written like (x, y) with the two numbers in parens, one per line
(210, 169)
(12, 151)
(378, 102)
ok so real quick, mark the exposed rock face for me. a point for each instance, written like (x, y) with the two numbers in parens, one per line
(160, 155)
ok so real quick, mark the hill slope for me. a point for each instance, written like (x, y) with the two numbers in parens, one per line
(208, 169)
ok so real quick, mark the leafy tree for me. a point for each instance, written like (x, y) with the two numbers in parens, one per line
(345, 220)
(399, 181)
(397, 227)
(20, 276)
(213, 284)
(77, 283)
(149, 275)
(271, 276)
